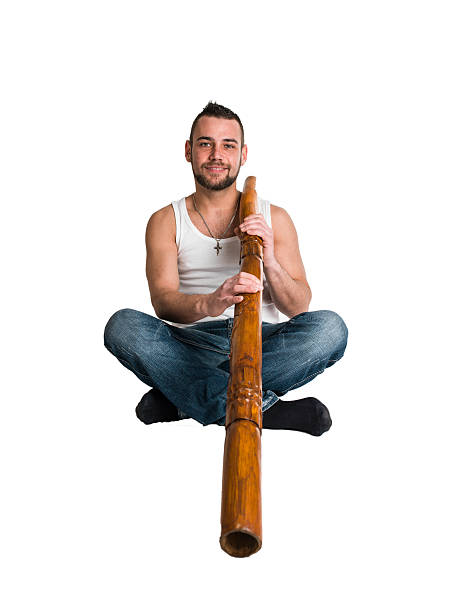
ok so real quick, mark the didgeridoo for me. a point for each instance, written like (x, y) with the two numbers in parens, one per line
(241, 534)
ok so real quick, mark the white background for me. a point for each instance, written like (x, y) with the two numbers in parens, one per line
(350, 111)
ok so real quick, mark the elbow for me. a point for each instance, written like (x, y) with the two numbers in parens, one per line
(159, 310)
(301, 306)
(308, 299)
(159, 314)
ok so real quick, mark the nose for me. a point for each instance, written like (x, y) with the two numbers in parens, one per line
(216, 152)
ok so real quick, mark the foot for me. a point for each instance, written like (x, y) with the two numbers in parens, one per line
(154, 407)
(307, 415)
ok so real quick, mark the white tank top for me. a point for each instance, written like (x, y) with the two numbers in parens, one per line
(201, 270)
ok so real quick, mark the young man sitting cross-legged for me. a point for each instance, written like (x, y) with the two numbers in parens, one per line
(194, 280)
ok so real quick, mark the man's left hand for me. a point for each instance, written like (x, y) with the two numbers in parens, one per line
(256, 225)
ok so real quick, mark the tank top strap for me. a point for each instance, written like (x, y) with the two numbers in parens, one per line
(177, 206)
(265, 210)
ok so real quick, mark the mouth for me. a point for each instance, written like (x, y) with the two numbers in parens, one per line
(215, 169)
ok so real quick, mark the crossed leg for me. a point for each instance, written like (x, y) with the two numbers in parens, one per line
(300, 349)
(191, 369)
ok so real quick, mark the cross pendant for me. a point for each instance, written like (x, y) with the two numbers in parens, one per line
(218, 248)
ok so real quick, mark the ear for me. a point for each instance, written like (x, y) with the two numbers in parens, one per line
(188, 151)
(243, 155)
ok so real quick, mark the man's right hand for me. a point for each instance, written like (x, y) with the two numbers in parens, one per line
(229, 292)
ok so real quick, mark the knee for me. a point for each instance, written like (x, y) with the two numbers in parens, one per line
(334, 329)
(118, 326)
(328, 326)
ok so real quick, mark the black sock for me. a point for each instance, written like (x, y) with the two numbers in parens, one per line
(154, 407)
(308, 415)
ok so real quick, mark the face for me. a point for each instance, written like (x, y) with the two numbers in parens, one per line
(216, 155)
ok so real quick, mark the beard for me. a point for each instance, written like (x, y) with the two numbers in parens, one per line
(223, 184)
(214, 186)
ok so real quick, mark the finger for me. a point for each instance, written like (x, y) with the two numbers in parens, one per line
(247, 288)
(253, 281)
(253, 216)
(256, 229)
(255, 223)
(246, 275)
(234, 299)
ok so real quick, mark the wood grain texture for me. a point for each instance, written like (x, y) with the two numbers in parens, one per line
(241, 531)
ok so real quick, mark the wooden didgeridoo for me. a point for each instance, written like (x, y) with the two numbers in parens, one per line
(241, 487)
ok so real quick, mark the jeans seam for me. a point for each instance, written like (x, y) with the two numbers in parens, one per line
(129, 366)
(305, 380)
(124, 351)
(278, 331)
(302, 382)
(282, 329)
(202, 346)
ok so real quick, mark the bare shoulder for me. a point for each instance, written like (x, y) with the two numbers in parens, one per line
(161, 223)
(281, 222)
(286, 245)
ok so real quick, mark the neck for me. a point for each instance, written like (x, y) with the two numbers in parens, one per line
(222, 201)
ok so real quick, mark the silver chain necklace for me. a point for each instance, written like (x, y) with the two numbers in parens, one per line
(218, 248)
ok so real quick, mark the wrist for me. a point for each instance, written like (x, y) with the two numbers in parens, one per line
(271, 264)
(204, 305)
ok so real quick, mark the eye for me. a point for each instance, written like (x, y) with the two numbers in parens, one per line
(204, 144)
(230, 146)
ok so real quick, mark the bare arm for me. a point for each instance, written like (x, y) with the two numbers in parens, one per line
(163, 279)
(283, 266)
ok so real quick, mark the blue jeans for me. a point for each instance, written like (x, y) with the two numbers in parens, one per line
(190, 365)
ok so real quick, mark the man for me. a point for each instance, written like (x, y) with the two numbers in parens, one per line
(193, 274)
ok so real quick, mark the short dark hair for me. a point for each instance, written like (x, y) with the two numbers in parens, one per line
(212, 109)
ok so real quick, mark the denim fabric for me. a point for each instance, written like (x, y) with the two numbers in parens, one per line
(190, 365)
